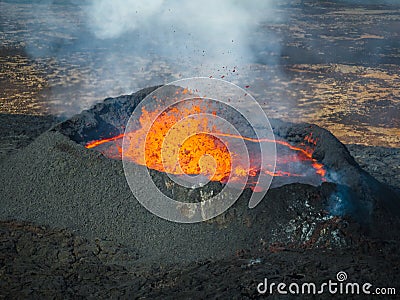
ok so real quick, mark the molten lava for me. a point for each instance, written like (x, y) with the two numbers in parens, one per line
(184, 141)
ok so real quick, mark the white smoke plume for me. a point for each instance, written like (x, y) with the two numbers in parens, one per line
(207, 33)
(94, 49)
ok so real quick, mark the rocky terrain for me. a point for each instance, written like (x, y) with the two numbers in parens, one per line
(38, 262)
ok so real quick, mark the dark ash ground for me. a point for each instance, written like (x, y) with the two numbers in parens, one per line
(41, 262)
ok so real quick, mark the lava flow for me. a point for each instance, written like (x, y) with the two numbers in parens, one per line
(178, 143)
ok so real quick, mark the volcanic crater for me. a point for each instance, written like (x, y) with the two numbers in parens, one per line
(62, 183)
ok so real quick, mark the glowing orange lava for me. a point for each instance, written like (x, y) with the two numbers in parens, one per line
(178, 144)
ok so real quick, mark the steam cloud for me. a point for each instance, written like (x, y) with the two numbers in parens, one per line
(113, 47)
(98, 48)
(208, 33)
